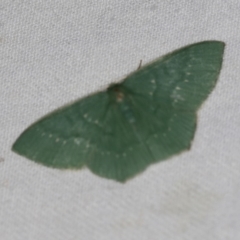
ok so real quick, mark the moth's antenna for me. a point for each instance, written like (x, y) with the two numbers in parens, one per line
(140, 65)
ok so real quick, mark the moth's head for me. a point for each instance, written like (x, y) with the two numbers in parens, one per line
(116, 92)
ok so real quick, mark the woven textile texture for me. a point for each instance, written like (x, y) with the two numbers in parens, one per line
(53, 52)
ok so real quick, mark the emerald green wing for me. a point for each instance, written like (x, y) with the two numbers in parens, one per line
(63, 138)
(164, 131)
(182, 79)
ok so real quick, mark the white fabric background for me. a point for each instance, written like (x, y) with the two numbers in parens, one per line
(53, 52)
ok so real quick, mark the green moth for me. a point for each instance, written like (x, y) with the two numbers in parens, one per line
(146, 118)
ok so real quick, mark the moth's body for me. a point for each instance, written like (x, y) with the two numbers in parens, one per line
(121, 99)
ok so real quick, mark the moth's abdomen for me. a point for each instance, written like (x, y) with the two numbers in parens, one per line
(126, 109)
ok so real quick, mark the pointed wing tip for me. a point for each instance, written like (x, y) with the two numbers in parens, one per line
(13, 148)
(220, 43)
(215, 42)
